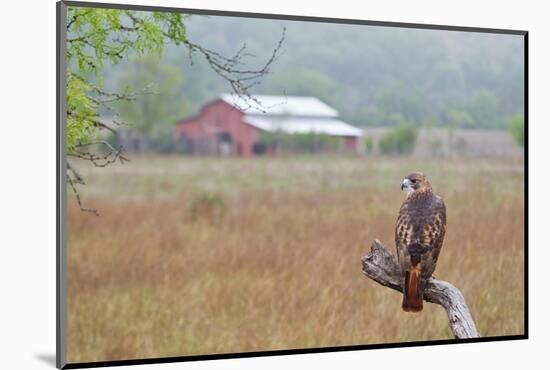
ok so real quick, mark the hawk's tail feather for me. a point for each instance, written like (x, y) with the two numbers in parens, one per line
(413, 294)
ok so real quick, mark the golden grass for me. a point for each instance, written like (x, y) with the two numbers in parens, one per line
(270, 257)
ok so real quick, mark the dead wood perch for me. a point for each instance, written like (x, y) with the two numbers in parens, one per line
(382, 267)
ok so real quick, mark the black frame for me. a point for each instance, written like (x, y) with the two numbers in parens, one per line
(61, 260)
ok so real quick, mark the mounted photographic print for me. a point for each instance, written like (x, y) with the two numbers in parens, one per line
(235, 184)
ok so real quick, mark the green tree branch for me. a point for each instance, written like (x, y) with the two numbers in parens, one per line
(97, 37)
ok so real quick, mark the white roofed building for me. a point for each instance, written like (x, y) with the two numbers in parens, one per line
(231, 125)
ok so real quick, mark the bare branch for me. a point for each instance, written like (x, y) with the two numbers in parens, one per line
(380, 265)
(105, 127)
(116, 43)
(240, 80)
(77, 179)
(111, 156)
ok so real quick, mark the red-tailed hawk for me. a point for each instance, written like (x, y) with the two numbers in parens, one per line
(419, 234)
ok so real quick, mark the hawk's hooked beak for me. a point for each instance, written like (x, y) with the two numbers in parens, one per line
(406, 184)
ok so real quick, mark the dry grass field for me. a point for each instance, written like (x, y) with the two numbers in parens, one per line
(196, 256)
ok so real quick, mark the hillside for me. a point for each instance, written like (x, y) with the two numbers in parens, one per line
(373, 75)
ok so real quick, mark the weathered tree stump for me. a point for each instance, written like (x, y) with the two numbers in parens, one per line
(381, 266)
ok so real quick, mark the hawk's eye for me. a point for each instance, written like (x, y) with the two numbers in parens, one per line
(414, 181)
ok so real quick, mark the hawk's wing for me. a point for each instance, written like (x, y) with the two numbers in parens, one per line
(433, 234)
(419, 234)
(420, 228)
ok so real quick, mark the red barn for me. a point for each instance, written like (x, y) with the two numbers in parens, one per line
(232, 126)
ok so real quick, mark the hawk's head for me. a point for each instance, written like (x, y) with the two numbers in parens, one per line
(415, 181)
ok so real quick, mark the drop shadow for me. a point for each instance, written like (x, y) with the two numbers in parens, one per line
(47, 358)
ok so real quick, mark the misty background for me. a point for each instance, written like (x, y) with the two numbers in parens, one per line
(374, 76)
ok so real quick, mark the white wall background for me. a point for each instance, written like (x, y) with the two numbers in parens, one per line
(27, 231)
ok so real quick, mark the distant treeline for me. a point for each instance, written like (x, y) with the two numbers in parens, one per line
(374, 76)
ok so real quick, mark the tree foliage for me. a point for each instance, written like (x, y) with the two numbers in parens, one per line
(165, 103)
(96, 37)
(483, 108)
(99, 38)
(304, 82)
(377, 76)
(152, 115)
(299, 142)
(456, 118)
(516, 128)
(400, 140)
(369, 145)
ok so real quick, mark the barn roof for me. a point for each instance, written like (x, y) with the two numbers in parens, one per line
(297, 125)
(278, 105)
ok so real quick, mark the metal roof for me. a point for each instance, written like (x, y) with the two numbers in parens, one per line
(296, 125)
(279, 105)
